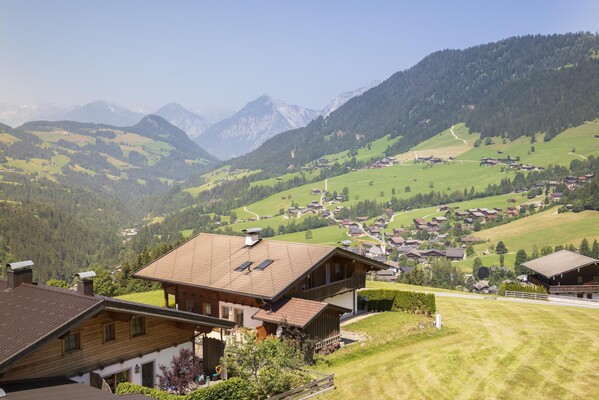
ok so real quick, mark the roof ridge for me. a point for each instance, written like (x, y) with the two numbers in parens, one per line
(65, 291)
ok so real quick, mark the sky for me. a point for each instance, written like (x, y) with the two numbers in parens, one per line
(223, 54)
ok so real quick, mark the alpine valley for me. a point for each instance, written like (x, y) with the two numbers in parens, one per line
(73, 188)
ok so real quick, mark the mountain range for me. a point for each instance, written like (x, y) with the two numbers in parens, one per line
(244, 131)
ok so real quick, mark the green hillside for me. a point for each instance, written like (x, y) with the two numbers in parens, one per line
(129, 162)
(512, 88)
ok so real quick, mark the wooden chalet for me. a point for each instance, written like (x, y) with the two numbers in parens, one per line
(566, 273)
(51, 332)
(239, 278)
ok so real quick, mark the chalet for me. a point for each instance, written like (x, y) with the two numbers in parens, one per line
(440, 220)
(375, 251)
(53, 332)
(237, 278)
(443, 207)
(419, 221)
(315, 191)
(362, 219)
(374, 230)
(566, 273)
(433, 253)
(455, 253)
(555, 196)
(396, 241)
(527, 167)
(355, 231)
(389, 212)
(389, 274)
(414, 254)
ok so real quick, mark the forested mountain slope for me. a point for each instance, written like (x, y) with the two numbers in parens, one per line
(500, 82)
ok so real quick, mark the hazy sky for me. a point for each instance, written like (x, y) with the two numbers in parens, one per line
(226, 53)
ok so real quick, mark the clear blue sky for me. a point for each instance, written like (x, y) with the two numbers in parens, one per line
(226, 53)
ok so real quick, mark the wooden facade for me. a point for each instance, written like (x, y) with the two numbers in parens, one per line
(95, 353)
(336, 276)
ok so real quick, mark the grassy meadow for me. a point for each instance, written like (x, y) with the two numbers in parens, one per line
(487, 349)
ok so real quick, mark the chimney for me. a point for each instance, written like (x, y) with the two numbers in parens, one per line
(85, 285)
(252, 236)
(18, 273)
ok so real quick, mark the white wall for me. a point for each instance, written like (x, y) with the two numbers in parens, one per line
(248, 313)
(346, 300)
(162, 357)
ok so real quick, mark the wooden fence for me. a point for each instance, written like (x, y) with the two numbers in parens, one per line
(315, 387)
(526, 295)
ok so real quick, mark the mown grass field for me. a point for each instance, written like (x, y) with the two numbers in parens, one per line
(487, 350)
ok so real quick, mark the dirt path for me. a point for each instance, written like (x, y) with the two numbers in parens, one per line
(577, 155)
(456, 137)
(248, 211)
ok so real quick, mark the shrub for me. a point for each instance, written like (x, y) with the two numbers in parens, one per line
(397, 300)
(272, 381)
(231, 389)
(183, 369)
(130, 388)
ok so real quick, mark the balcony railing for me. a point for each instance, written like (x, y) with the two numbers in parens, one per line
(574, 289)
(322, 292)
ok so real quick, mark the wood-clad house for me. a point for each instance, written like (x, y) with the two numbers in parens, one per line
(236, 278)
(566, 273)
(53, 332)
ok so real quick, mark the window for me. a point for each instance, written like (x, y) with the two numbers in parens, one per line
(189, 305)
(72, 341)
(114, 379)
(579, 280)
(109, 332)
(239, 316)
(138, 326)
(207, 309)
(264, 264)
(243, 266)
(225, 312)
(596, 279)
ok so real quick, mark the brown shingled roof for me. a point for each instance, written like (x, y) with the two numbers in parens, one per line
(209, 260)
(31, 315)
(294, 311)
(559, 262)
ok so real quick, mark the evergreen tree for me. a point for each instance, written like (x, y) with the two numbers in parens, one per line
(535, 252)
(585, 249)
(595, 250)
(521, 257)
(500, 248)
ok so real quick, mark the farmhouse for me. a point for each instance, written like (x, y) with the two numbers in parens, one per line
(235, 278)
(566, 273)
(52, 332)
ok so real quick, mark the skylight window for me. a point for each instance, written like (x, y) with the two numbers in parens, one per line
(264, 264)
(243, 266)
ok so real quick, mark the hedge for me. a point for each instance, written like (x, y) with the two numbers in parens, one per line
(517, 287)
(130, 388)
(231, 389)
(397, 300)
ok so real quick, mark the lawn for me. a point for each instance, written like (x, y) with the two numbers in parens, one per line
(487, 350)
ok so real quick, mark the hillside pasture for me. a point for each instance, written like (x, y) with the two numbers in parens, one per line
(557, 151)
(504, 350)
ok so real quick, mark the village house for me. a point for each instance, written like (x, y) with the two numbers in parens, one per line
(236, 278)
(50, 332)
(566, 273)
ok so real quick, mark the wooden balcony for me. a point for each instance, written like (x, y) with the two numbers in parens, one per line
(322, 292)
(574, 289)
